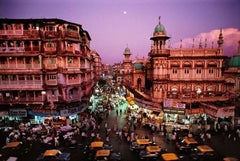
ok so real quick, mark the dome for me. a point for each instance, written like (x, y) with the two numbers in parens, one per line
(234, 61)
(127, 49)
(159, 30)
(138, 66)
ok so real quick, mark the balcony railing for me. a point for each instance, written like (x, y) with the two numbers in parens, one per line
(19, 84)
(158, 76)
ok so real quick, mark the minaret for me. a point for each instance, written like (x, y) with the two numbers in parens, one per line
(220, 39)
(159, 39)
(127, 54)
(220, 43)
(238, 53)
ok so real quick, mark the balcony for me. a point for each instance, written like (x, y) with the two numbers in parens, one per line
(158, 76)
(19, 84)
(71, 34)
(159, 53)
(51, 34)
(50, 49)
(12, 49)
(51, 82)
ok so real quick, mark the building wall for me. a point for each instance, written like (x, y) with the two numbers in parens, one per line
(44, 62)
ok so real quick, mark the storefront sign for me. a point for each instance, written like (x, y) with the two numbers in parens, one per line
(3, 113)
(174, 111)
(44, 112)
(226, 112)
(18, 112)
(70, 111)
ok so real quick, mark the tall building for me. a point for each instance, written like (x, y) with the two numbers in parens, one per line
(46, 67)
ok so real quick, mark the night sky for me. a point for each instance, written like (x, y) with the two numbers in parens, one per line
(116, 24)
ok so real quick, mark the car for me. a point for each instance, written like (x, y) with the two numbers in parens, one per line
(139, 144)
(151, 152)
(186, 145)
(169, 157)
(54, 155)
(203, 153)
(15, 149)
(107, 155)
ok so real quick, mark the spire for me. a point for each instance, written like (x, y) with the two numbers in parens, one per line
(220, 39)
(238, 53)
(193, 43)
(159, 19)
(200, 44)
(181, 44)
(205, 43)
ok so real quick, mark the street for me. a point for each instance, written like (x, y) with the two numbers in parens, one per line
(222, 145)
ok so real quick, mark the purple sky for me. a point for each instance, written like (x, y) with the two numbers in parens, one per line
(115, 24)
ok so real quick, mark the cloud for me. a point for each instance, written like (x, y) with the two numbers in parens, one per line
(231, 37)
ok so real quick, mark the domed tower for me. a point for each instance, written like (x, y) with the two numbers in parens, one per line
(127, 54)
(159, 40)
(158, 72)
(127, 66)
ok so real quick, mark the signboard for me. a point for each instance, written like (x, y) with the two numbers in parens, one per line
(174, 111)
(18, 112)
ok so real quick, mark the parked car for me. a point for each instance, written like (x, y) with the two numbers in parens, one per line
(54, 155)
(139, 144)
(107, 155)
(186, 145)
(203, 153)
(151, 152)
(14, 149)
(169, 157)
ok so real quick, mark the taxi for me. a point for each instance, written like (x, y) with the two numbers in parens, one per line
(203, 152)
(139, 144)
(151, 151)
(106, 154)
(14, 149)
(169, 157)
(96, 144)
(186, 145)
(54, 154)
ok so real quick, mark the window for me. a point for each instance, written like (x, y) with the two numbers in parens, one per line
(51, 60)
(50, 28)
(4, 77)
(28, 60)
(37, 77)
(13, 77)
(71, 27)
(186, 71)
(198, 71)
(27, 43)
(174, 71)
(29, 77)
(211, 71)
(51, 77)
(70, 60)
(18, 26)
(35, 43)
(3, 60)
(9, 27)
(21, 77)
(50, 45)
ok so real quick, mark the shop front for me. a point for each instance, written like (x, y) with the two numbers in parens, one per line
(223, 115)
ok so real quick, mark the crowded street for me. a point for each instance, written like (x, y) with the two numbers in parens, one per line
(114, 124)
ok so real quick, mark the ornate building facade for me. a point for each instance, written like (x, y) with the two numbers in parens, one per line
(177, 81)
(185, 74)
(46, 65)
